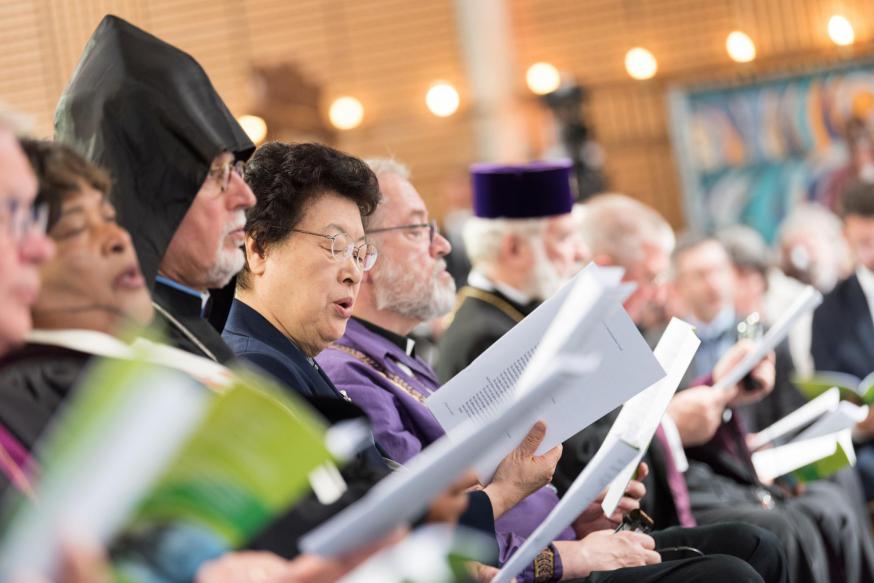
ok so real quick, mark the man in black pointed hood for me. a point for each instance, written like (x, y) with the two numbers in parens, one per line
(148, 113)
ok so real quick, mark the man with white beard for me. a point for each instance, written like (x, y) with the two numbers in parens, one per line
(523, 245)
(375, 363)
(176, 158)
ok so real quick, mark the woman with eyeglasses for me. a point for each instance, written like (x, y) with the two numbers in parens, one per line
(305, 256)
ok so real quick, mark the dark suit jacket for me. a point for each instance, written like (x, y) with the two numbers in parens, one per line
(476, 325)
(186, 310)
(843, 333)
(255, 340)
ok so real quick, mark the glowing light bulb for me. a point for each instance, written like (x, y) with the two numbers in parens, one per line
(841, 31)
(346, 113)
(740, 47)
(442, 99)
(640, 63)
(254, 126)
(542, 78)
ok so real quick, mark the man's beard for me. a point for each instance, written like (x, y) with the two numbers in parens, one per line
(543, 280)
(401, 290)
(227, 262)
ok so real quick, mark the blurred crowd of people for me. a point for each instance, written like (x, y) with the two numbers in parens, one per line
(320, 270)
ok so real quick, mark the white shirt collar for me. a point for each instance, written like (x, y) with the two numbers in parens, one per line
(478, 279)
(866, 280)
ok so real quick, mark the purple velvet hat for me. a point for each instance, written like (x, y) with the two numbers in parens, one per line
(522, 191)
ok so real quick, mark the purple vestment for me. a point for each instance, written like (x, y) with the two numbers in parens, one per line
(391, 387)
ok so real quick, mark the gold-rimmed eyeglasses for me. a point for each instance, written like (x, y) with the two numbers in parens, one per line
(431, 226)
(343, 247)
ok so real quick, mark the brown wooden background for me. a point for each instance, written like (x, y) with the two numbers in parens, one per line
(387, 53)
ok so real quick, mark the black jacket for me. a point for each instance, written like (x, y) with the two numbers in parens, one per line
(843, 333)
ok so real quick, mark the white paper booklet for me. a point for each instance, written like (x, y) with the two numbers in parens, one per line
(833, 421)
(611, 458)
(797, 419)
(807, 301)
(406, 493)
(640, 417)
(584, 319)
(779, 461)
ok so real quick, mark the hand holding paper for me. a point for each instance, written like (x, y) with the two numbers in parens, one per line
(762, 375)
(611, 458)
(640, 417)
(522, 472)
(806, 301)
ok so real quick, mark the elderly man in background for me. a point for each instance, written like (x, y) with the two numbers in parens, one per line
(523, 245)
(176, 155)
(624, 232)
(375, 363)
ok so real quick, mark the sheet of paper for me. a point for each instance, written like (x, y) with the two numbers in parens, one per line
(640, 416)
(842, 418)
(794, 421)
(589, 322)
(807, 300)
(778, 461)
(406, 493)
(607, 463)
(480, 388)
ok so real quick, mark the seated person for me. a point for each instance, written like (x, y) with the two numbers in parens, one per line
(306, 254)
(91, 289)
(285, 325)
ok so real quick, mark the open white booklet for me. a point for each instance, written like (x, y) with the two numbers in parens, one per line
(835, 450)
(807, 301)
(829, 422)
(611, 458)
(640, 416)
(406, 493)
(525, 354)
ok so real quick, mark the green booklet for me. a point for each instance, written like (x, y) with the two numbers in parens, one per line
(843, 456)
(163, 471)
(852, 388)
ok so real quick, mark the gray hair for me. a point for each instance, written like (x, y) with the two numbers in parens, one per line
(746, 248)
(13, 121)
(810, 218)
(388, 166)
(482, 237)
(619, 226)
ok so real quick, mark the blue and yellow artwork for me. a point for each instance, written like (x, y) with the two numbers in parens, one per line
(749, 152)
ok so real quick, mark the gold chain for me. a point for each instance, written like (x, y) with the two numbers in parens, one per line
(491, 299)
(391, 377)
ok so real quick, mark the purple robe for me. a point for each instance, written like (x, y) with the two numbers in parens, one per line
(375, 373)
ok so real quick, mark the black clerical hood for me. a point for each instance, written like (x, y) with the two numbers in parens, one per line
(146, 112)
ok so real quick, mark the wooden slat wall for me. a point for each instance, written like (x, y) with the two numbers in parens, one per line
(387, 52)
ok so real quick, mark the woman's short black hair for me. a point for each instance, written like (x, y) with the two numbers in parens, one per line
(286, 178)
(61, 173)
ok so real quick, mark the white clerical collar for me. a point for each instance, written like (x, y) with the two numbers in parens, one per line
(478, 279)
(866, 280)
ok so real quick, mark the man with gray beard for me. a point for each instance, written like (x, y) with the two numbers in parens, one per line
(407, 286)
(176, 157)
